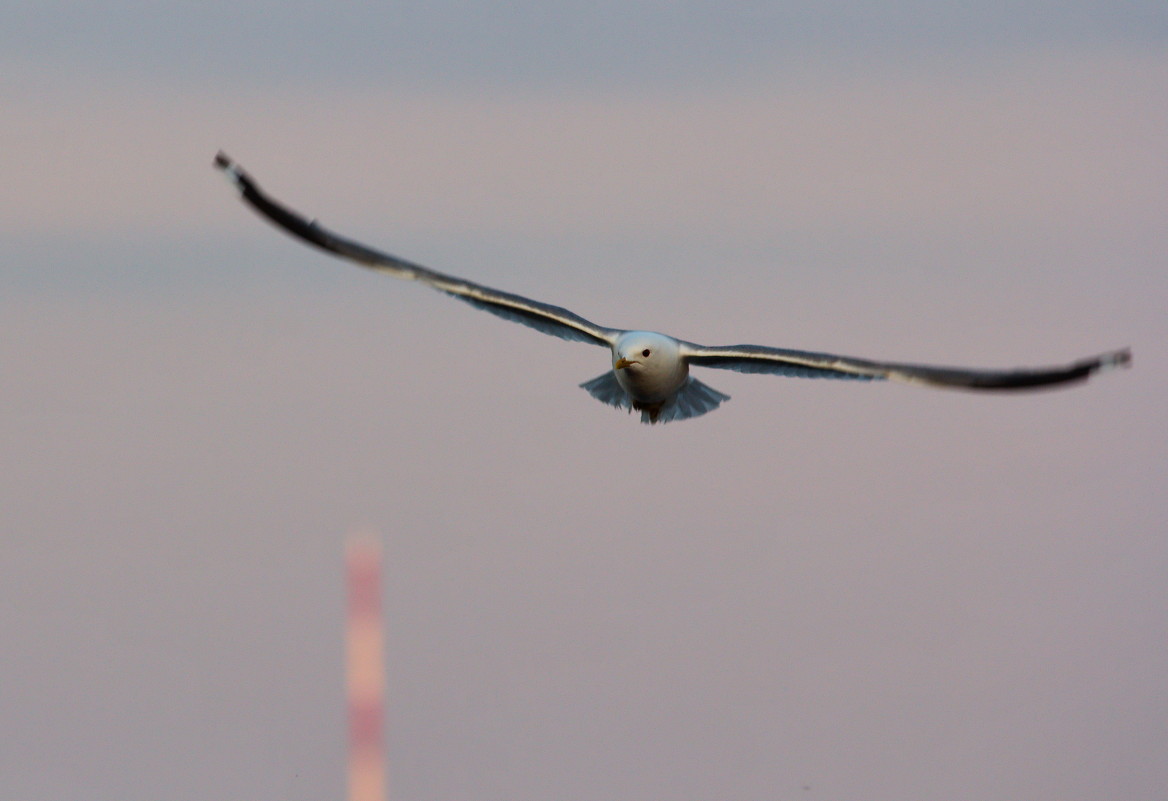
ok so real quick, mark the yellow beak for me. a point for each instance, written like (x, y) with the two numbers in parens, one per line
(622, 363)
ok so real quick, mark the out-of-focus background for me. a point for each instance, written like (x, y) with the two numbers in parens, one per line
(823, 590)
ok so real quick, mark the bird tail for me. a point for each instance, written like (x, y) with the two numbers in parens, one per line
(692, 400)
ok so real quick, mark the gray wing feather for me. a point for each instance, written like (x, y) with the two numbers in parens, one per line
(541, 320)
(543, 317)
(805, 364)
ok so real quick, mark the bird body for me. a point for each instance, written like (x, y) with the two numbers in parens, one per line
(650, 371)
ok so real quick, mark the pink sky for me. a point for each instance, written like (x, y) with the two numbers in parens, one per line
(877, 592)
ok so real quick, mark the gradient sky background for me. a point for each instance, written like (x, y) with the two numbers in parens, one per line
(823, 590)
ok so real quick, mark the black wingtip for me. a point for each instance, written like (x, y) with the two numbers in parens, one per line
(234, 173)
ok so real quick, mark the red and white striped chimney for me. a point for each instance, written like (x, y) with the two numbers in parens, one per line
(365, 671)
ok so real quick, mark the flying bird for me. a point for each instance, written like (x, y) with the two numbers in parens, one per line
(650, 371)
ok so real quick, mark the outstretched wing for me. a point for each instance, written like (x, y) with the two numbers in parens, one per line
(543, 317)
(803, 364)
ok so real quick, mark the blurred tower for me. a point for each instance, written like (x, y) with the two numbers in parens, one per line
(365, 671)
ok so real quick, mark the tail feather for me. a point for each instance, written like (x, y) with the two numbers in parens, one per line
(693, 399)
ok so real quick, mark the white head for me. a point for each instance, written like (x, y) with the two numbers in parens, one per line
(648, 365)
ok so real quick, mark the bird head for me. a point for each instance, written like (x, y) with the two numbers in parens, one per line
(648, 364)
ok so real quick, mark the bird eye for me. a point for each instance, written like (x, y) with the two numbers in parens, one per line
(645, 353)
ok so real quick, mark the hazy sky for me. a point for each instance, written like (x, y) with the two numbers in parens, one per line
(823, 590)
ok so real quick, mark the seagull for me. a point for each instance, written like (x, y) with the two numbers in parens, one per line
(650, 371)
